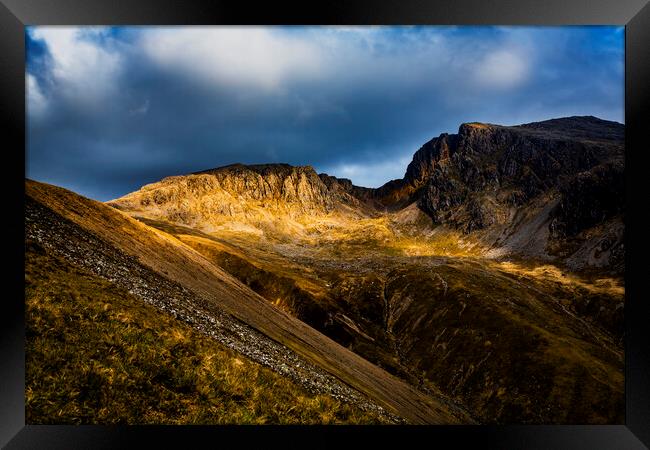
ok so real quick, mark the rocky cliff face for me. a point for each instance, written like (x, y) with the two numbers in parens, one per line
(343, 190)
(281, 186)
(589, 198)
(466, 180)
(534, 189)
(254, 195)
(564, 176)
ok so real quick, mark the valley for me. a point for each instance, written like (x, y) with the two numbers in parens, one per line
(435, 313)
(486, 286)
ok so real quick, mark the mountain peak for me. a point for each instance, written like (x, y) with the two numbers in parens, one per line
(261, 169)
(471, 126)
(470, 181)
(253, 196)
(578, 128)
(569, 120)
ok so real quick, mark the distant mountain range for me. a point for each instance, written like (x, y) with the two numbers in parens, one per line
(486, 285)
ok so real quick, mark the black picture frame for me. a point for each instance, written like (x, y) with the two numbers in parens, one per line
(634, 14)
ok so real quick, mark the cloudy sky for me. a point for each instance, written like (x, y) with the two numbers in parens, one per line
(111, 109)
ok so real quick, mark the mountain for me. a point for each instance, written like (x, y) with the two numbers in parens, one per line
(491, 273)
(560, 177)
(549, 190)
(485, 285)
(94, 240)
(274, 199)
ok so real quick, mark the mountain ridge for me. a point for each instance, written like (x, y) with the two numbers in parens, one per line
(488, 279)
(122, 250)
(489, 182)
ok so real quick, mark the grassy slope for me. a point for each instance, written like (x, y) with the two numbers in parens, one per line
(565, 328)
(533, 311)
(96, 354)
(215, 288)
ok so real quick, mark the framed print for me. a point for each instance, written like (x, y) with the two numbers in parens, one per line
(387, 221)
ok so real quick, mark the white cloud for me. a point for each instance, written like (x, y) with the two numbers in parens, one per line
(36, 101)
(273, 58)
(82, 68)
(502, 68)
(372, 173)
(233, 55)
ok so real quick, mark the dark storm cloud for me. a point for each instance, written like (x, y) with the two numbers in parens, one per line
(112, 109)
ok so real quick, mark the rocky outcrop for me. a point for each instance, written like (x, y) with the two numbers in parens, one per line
(486, 176)
(485, 179)
(590, 198)
(280, 183)
(345, 192)
(486, 168)
(428, 157)
(587, 226)
(255, 196)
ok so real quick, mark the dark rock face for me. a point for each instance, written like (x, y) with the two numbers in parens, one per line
(510, 165)
(426, 159)
(589, 198)
(480, 178)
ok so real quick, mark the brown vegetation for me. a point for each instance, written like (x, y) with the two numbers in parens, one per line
(488, 279)
(97, 354)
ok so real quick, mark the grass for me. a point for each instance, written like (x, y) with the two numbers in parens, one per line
(97, 355)
(501, 326)
(500, 346)
(523, 310)
(214, 288)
